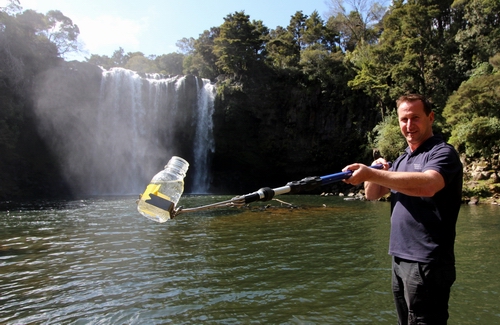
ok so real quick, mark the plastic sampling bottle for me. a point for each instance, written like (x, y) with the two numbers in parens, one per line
(164, 191)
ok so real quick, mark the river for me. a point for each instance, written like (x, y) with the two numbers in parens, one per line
(97, 261)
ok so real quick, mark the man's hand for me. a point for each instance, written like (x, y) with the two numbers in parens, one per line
(361, 172)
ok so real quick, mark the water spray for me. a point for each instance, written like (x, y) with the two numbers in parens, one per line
(264, 194)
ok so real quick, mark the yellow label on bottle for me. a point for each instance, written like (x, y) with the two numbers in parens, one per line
(153, 189)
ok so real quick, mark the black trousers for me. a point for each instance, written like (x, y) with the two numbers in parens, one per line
(422, 291)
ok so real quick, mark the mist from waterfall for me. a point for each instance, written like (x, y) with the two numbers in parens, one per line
(137, 123)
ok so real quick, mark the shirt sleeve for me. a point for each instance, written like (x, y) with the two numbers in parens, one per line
(445, 160)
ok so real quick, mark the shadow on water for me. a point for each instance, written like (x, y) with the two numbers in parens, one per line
(325, 261)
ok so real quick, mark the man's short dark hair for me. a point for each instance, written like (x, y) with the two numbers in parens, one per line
(415, 97)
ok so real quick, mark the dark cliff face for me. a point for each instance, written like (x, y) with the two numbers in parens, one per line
(63, 97)
(35, 168)
(284, 133)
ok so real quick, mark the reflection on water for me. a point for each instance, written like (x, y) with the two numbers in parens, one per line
(98, 261)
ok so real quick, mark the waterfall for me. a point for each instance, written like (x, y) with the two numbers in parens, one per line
(204, 142)
(156, 117)
(136, 123)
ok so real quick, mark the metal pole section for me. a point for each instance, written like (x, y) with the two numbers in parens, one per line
(267, 193)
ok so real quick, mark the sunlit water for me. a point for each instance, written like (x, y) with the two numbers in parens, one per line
(98, 261)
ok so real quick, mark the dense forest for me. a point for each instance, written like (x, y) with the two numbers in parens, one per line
(294, 101)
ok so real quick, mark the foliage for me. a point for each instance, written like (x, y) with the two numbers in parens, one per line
(409, 58)
(186, 45)
(283, 52)
(240, 44)
(476, 191)
(170, 64)
(61, 31)
(480, 137)
(371, 76)
(361, 24)
(138, 62)
(479, 38)
(473, 113)
(202, 60)
(414, 54)
(388, 138)
(118, 59)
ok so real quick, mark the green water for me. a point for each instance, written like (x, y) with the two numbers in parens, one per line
(98, 261)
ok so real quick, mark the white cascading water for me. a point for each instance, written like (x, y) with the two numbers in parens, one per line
(139, 123)
(204, 142)
(114, 143)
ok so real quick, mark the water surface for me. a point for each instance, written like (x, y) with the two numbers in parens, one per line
(97, 261)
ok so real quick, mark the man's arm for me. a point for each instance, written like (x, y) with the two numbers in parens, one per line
(379, 182)
(374, 191)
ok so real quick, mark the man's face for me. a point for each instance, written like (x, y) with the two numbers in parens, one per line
(414, 124)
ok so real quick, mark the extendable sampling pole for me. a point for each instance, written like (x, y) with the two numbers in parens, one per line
(305, 184)
(267, 193)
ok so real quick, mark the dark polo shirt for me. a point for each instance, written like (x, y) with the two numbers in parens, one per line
(423, 228)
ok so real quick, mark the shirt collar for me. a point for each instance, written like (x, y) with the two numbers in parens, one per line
(429, 143)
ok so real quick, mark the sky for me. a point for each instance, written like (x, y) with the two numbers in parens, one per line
(153, 27)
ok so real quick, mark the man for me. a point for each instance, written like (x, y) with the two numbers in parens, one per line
(426, 187)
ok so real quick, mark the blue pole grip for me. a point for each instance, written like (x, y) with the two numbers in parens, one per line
(327, 179)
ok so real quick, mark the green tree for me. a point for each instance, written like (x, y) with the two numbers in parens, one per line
(314, 30)
(186, 45)
(361, 23)
(414, 54)
(13, 7)
(479, 38)
(387, 137)
(61, 31)
(138, 62)
(297, 27)
(119, 58)
(202, 61)
(100, 60)
(283, 52)
(372, 76)
(54, 29)
(25, 49)
(306, 39)
(170, 64)
(473, 112)
(240, 44)
(320, 65)
(320, 60)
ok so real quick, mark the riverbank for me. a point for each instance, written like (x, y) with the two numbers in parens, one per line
(481, 184)
(481, 181)
(359, 194)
